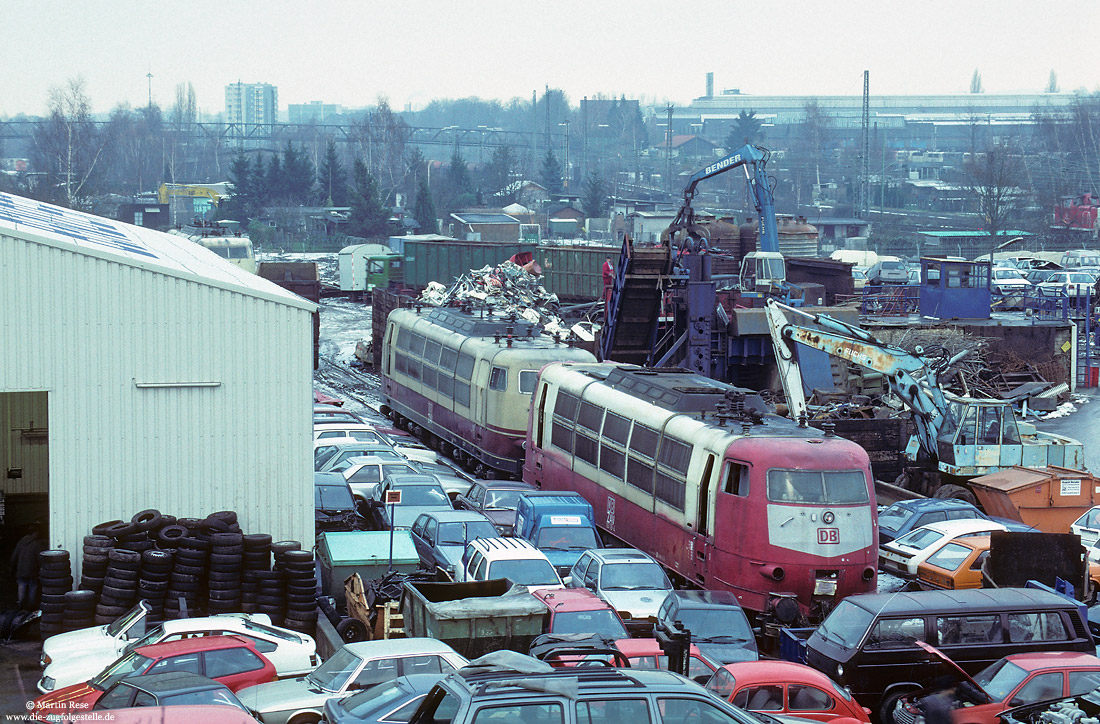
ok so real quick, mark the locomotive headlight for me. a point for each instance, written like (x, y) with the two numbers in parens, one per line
(828, 518)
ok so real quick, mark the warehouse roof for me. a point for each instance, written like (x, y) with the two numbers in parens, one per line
(156, 251)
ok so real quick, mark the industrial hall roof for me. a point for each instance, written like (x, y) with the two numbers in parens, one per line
(157, 251)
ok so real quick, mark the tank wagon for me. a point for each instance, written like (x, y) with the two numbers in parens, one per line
(463, 381)
(701, 476)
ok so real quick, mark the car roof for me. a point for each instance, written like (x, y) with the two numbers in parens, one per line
(968, 599)
(508, 547)
(588, 680)
(959, 526)
(1034, 661)
(972, 541)
(645, 647)
(176, 625)
(325, 479)
(571, 599)
(458, 516)
(412, 480)
(749, 672)
(172, 681)
(398, 647)
(923, 504)
(620, 555)
(706, 599)
(504, 484)
(196, 643)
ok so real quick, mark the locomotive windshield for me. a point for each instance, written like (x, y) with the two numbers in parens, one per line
(817, 487)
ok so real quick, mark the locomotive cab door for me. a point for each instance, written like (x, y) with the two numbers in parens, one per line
(704, 523)
(731, 533)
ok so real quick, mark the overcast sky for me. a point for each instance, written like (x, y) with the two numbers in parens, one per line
(412, 51)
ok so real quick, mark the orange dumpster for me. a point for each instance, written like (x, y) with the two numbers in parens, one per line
(1047, 498)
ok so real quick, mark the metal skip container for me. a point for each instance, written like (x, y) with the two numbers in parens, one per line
(1049, 498)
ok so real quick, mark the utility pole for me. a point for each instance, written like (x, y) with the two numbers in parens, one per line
(549, 145)
(668, 150)
(865, 148)
(149, 75)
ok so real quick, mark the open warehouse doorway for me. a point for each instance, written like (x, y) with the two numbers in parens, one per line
(24, 479)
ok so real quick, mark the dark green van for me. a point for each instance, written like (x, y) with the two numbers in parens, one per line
(867, 642)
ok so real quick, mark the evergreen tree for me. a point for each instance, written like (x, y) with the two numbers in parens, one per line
(550, 173)
(368, 217)
(297, 174)
(275, 188)
(241, 182)
(423, 208)
(595, 195)
(333, 178)
(458, 175)
(500, 172)
(746, 129)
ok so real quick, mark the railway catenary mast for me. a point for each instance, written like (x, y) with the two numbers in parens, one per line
(462, 381)
(700, 475)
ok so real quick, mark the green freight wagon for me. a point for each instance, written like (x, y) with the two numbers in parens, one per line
(445, 261)
(575, 272)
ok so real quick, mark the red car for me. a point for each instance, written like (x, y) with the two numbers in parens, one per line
(230, 660)
(1013, 681)
(579, 611)
(783, 687)
(647, 654)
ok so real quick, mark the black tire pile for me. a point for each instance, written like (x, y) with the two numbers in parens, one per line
(181, 568)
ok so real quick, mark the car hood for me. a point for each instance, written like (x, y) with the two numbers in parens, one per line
(85, 641)
(956, 669)
(281, 695)
(639, 604)
(63, 697)
(500, 517)
(728, 653)
(78, 669)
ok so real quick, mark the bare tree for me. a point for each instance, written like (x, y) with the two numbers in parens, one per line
(1052, 82)
(181, 124)
(994, 177)
(68, 144)
(976, 82)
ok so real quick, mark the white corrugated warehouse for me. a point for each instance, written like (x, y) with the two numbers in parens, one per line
(140, 370)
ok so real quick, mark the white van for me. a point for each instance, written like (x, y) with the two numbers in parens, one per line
(511, 558)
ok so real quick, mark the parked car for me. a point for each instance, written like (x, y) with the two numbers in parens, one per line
(365, 473)
(647, 654)
(1007, 280)
(509, 687)
(1013, 681)
(231, 661)
(393, 702)
(628, 579)
(1039, 275)
(361, 432)
(172, 689)
(441, 537)
(1088, 527)
(871, 642)
(497, 499)
(336, 455)
(718, 624)
(903, 556)
(1067, 283)
(331, 413)
(453, 481)
(419, 494)
(784, 687)
(333, 504)
(77, 656)
(351, 668)
(859, 278)
(905, 515)
(579, 611)
(956, 565)
(511, 558)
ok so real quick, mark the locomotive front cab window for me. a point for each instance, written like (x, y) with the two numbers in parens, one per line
(817, 487)
(735, 481)
(498, 379)
(527, 379)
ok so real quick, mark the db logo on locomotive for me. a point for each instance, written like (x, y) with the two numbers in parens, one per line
(828, 535)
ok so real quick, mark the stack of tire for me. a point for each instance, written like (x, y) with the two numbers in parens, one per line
(156, 570)
(97, 549)
(224, 578)
(79, 609)
(56, 579)
(300, 582)
(120, 585)
(187, 577)
(255, 560)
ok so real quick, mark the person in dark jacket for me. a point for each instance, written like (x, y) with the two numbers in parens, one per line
(24, 565)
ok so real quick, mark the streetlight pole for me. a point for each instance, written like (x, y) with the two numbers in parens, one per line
(992, 249)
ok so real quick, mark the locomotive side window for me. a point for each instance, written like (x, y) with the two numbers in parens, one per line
(589, 421)
(447, 359)
(404, 339)
(675, 454)
(565, 412)
(431, 351)
(416, 347)
(498, 379)
(736, 479)
(643, 450)
(616, 431)
(465, 366)
(527, 380)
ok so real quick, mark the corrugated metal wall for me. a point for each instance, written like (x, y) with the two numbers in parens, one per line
(163, 393)
(24, 423)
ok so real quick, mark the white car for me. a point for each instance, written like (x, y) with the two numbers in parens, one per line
(903, 555)
(334, 456)
(363, 473)
(1087, 526)
(628, 579)
(353, 667)
(1070, 284)
(354, 430)
(291, 653)
(1007, 281)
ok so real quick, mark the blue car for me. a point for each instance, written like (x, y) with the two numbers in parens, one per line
(390, 702)
(905, 515)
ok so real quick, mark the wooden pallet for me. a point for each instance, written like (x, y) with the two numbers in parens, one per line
(392, 621)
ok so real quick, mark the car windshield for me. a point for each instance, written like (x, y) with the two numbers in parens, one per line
(918, 539)
(150, 638)
(716, 624)
(817, 486)
(845, 625)
(379, 697)
(456, 534)
(423, 495)
(128, 665)
(566, 538)
(273, 632)
(332, 497)
(335, 672)
(124, 621)
(605, 623)
(529, 572)
(950, 557)
(634, 577)
(999, 679)
(894, 517)
(502, 499)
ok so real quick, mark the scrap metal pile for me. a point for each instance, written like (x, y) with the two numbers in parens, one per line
(505, 288)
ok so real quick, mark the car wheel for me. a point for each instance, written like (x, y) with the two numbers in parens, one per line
(308, 718)
(889, 703)
(352, 630)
